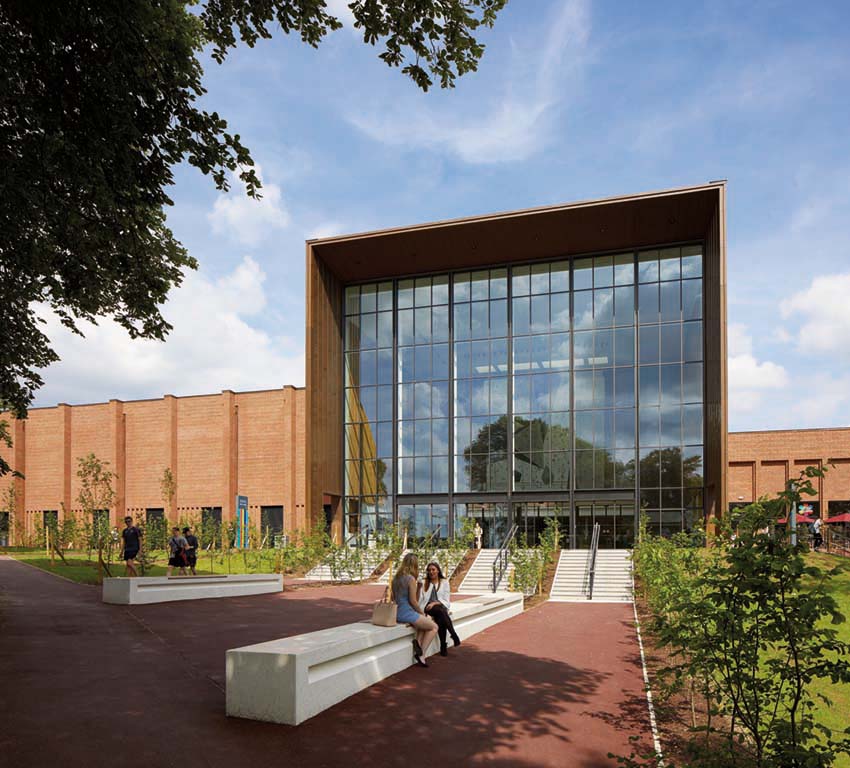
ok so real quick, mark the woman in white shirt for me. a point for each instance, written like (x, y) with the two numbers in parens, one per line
(435, 600)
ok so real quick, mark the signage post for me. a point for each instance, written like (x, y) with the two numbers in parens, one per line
(241, 522)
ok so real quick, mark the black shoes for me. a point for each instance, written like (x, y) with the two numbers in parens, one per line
(443, 650)
(456, 641)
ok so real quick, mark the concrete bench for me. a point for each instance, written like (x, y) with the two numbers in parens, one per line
(291, 680)
(163, 589)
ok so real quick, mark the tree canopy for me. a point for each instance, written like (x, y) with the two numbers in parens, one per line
(99, 102)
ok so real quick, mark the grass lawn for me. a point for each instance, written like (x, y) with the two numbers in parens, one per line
(83, 570)
(836, 716)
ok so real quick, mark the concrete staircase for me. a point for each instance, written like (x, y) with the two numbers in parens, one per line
(372, 558)
(612, 582)
(479, 578)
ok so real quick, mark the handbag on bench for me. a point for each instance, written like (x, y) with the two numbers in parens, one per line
(385, 610)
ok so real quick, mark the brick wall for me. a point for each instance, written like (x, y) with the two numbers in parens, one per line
(251, 443)
(760, 463)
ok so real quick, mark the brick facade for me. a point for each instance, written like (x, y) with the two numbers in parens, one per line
(253, 443)
(216, 446)
(760, 463)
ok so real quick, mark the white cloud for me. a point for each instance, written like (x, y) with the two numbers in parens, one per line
(748, 377)
(824, 313)
(340, 9)
(519, 124)
(245, 220)
(213, 346)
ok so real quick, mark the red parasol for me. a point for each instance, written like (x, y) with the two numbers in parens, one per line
(844, 517)
(800, 519)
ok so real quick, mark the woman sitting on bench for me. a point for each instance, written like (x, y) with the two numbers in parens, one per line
(436, 602)
(405, 594)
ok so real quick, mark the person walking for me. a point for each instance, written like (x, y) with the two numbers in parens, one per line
(131, 543)
(177, 546)
(478, 531)
(436, 602)
(816, 530)
(405, 595)
(191, 550)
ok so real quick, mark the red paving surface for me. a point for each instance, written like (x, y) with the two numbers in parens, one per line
(86, 684)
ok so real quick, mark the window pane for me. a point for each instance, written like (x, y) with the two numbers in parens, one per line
(603, 307)
(583, 389)
(624, 346)
(385, 403)
(405, 294)
(540, 278)
(368, 298)
(648, 303)
(422, 363)
(521, 314)
(582, 274)
(648, 344)
(559, 278)
(520, 281)
(603, 271)
(405, 327)
(583, 309)
(670, 302)
(480, 285)
(560, 354)
(440, 290)
(692, 299)
(583, 348)
(461, 320)
(671, 343)
(648, 385)
(648, 266)
(499, 318)
(423, 325)
(560, 311)
(624, 305)
(670, 268)
(440, 324)
(522, 394)
(406, 434)
(385, 329)
(461, 286)
(692, 424)
(498, 283)
(692, 341)
(692, 261)
(671, 387)
(624, 428)
(648, 425)
(649, 468)
(603, 388)
(603, 347)
(499, 355)
(671, 425)
(624, 386)
(692, 383)
(624, 269)
(539, 312)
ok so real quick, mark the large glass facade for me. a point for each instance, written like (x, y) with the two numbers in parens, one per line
(570, 388)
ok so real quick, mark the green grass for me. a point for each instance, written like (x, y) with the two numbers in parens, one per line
(835, 716)
(84, 571)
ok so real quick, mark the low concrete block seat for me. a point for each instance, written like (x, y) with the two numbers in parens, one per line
(163, 589)
(290, 680)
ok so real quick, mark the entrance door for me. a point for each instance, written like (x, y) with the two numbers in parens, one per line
(616, 524)
(492, 517)
(533, 517)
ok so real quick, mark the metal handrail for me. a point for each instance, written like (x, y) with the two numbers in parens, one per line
(594, 547)
(430, 540)
(500, 564)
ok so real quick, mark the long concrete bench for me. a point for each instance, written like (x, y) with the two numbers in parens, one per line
(292, 679)
(163, 589)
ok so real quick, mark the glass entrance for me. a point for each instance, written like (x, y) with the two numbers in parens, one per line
(532, 517)
(616, 524)
(492, 517)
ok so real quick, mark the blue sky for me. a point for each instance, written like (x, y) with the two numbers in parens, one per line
(574, 99)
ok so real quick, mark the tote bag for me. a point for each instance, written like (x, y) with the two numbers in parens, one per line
(384, 611)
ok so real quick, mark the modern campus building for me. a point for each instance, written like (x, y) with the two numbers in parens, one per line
(565, 362)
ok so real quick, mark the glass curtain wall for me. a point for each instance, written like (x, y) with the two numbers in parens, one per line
(670, 373)
(541, 380)
(549, 383)
(368, 407)
(481, 381)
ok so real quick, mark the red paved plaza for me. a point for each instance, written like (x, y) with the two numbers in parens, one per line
(87, 684)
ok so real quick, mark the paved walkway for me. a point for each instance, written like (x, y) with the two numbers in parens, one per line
(86, 684)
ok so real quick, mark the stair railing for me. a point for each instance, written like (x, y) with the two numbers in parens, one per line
(594, 547)
(500, 564)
